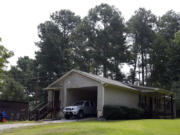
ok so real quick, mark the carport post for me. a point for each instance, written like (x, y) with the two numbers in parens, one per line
(100, 100)
(65, 97)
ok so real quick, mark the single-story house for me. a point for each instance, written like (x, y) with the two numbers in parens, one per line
(77, 85)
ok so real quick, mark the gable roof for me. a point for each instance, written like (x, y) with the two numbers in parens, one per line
(93, 77)
(107, 81)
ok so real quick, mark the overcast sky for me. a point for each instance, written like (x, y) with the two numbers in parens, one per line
(19, 18)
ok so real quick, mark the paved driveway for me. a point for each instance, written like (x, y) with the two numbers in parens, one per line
(17, 125)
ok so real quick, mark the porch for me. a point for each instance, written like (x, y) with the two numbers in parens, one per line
(157, 104)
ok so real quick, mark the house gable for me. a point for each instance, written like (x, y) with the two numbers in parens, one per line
(76, 80)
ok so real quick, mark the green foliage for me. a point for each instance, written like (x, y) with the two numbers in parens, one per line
(141, 28)
(159, 59)
(106, 39)
(169, 24)
(93, 44)
(54, 57)
(4, 55)
(165, 51)
(82, 40)
(121, 112)
(174, 60)
(12, 90)
(24, 73)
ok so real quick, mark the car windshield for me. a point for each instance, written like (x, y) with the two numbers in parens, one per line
(78, 103)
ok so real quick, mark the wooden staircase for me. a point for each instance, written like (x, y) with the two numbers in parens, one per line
(40, 112)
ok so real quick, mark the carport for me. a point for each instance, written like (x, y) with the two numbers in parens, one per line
(84, 93)
(73, 87)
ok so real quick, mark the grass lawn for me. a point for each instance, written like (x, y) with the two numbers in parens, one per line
(129, 127)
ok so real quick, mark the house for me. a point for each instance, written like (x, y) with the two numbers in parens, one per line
(77, 85)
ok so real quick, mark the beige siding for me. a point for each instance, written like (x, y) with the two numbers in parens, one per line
(78, 81)
(118, 96)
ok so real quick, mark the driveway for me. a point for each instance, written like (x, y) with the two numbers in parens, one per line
(17, 125)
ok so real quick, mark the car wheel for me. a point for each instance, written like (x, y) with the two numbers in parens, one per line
(80, 114)
(67, 116)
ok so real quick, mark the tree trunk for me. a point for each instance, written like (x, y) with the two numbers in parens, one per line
(142, 59)
(134, 71)
(117, 75)
(104, 70)
(104, 61)
(151, 70)
(146, 66)
(139, 69)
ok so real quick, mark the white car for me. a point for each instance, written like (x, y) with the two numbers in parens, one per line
(80, 109)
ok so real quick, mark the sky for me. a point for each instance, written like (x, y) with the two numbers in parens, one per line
(19, 18)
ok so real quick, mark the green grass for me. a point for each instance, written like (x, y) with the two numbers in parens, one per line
(129, 127)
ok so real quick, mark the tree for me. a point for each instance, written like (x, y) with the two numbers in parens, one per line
(164, 52)
(169, 24)
(107, 39)
(12, 90)
(174, 60)
(134, 63)
(4, 55)
(141, 26)
(159, 58)
(83, 54)
(24, 73)
(54, 57)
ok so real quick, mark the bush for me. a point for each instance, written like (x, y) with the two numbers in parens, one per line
(121, 112)
(178, 113)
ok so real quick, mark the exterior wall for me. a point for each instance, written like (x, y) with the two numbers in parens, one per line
(76, 80)
(118, 96)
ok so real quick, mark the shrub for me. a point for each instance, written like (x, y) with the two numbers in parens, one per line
(178, 113)
(121, 112)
